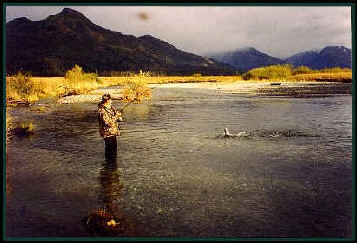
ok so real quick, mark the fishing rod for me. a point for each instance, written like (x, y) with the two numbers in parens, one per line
(130, 102)
(126, 105)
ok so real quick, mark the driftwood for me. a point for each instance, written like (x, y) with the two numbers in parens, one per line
(18, 102)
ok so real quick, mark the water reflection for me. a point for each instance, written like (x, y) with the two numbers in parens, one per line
(109, 219)
(110, 181)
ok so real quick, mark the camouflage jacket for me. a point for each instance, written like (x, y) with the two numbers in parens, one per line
(108, 121)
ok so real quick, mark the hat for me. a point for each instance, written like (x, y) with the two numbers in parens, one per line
(106, 97)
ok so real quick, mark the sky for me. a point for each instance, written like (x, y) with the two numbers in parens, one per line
(203, 30)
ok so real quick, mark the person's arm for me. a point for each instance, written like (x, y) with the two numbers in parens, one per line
(118, 116)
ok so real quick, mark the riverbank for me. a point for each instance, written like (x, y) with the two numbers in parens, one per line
(254, 88)
(23, 88)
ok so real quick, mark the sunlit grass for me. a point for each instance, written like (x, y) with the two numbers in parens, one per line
(287, 72)
(326, 76)
(28, 88)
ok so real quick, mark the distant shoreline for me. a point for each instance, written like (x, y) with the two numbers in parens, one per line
(256, 88)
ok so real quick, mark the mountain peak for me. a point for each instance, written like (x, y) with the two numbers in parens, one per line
(147, 36)
(70, 14)
(246, 48)
(20, 20)
(341, 48)
(246, 58)
(329, 56)
(70, 11)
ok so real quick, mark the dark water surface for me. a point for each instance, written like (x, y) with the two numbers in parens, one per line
(177, 177)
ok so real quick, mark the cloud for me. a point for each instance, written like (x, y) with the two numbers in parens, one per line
(278, 31)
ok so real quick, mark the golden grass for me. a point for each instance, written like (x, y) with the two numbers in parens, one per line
(52, 87)
(319, 76)
(57, 86)
(136, 90)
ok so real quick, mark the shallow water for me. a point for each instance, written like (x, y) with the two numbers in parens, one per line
(177, 176)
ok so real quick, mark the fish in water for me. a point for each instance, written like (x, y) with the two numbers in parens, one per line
(274, 135)
(227, 134)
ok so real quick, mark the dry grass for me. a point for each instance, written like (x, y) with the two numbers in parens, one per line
(171, 79)
(59, 86)
(322, 76)
(53, 87)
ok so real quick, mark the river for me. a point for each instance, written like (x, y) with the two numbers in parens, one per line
(177, 176)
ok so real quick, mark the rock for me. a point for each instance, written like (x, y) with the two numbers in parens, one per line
(22, 131)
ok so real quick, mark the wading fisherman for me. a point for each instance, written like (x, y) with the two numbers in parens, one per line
(108, 118)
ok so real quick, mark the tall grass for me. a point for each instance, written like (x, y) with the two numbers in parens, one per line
(22, 87)
(269, 72)
(136, 89)
(77, 81)
(287, 72)
(322, 76)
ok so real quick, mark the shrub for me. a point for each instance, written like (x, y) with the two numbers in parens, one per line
(77, 81)
(269, 72)
(76, 75)
(22, 86)
(302, 70)
(136, 89)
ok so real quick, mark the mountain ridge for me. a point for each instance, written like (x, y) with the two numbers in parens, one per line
(55, 44)
(247, 58)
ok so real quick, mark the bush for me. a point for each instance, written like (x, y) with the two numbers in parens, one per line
(269, 72)
(77, 82)
(136, 89)
(76, 75)
(22, 86)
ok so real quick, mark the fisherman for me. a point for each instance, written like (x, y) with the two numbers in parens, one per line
(108, 118)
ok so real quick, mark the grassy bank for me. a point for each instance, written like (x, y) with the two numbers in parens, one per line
(42, 87)
(287, 72)
(27, 88)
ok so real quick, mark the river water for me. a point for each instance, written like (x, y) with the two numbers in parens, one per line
(177, 176)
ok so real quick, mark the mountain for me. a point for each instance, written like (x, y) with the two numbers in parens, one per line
(54, 45)
(302, 58)
(330, 56)
(244, 59)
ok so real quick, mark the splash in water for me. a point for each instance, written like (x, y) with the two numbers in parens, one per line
(265, 133)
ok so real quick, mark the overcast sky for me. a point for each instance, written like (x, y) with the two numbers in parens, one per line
(277, 31)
